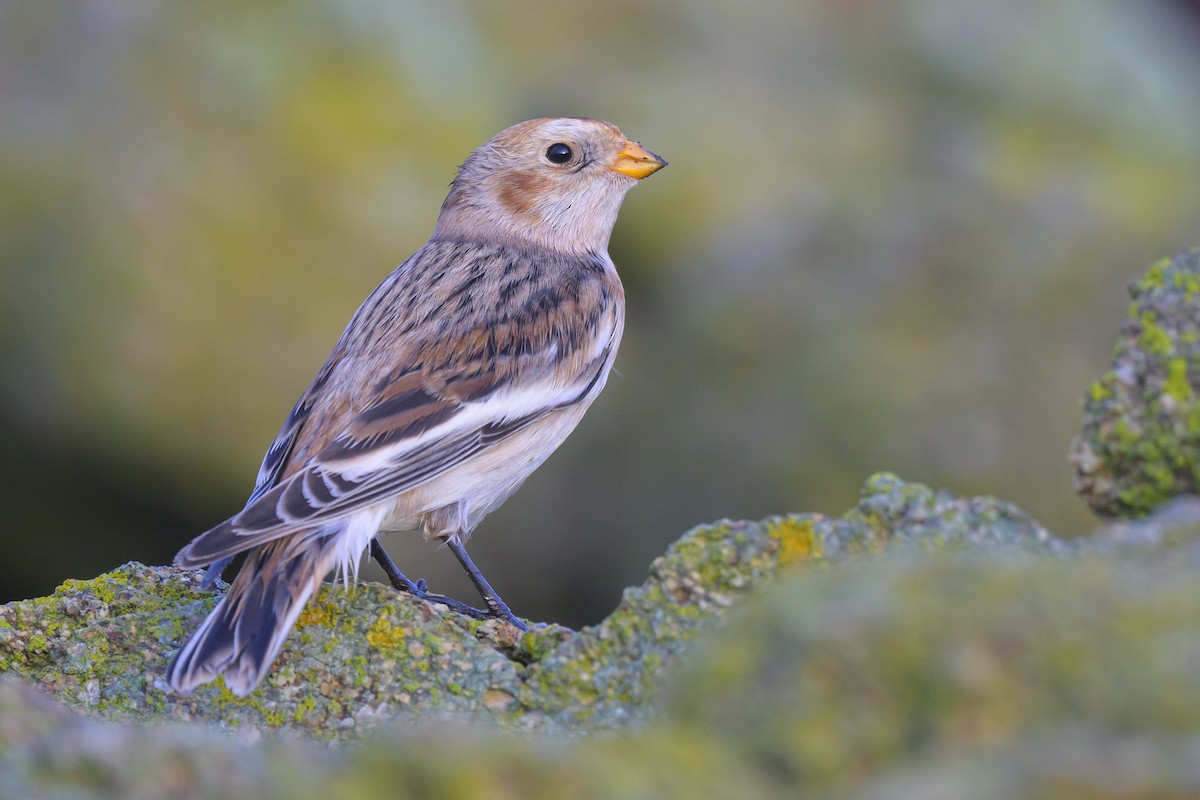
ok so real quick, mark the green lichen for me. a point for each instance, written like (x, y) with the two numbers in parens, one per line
(1190, 284)
(1154, 277)
(1100, 391)
(1124, 433)
(534, 644)
(1142, 495)
(359, 669)
(1154, 339)
(304, 709)
(1141, 434)
(1177, 386)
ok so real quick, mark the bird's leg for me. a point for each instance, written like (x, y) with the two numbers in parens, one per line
(398, 579)
(496, 607)
(401, 583)
(213, 573)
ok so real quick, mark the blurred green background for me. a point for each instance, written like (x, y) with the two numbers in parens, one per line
(893, 235)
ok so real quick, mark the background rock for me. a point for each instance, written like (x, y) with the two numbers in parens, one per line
(1140, 444)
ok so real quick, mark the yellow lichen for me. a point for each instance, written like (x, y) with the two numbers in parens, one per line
(383, 635)
(798, 541)
(317, 613)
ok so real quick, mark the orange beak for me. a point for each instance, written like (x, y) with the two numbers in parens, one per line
(636, 161)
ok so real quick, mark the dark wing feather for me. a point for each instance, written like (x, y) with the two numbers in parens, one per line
(279, 453)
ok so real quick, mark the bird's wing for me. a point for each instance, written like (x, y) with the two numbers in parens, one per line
(280, 452)
(416, 426)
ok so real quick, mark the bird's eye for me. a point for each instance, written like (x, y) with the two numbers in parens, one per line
(558, 153)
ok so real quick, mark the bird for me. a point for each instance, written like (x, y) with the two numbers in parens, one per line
(454, 380)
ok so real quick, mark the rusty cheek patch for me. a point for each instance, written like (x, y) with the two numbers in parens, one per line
(520, 190)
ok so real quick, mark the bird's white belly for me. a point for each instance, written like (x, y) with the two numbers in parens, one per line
(481, 484)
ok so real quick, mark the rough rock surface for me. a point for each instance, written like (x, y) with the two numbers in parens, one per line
(365, 654)
(923, 645)
(1140, 443)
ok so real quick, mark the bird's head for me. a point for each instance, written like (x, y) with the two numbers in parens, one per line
(555, 183)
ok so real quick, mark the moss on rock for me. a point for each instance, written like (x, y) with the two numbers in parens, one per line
(893, 660)
(365, 654)
(921, 643)
(1140, 443)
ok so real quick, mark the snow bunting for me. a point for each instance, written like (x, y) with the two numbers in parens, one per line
(455, 379)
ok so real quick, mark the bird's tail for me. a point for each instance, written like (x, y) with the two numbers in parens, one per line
(245, 632)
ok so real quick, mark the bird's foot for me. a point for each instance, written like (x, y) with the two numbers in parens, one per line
(398, 579)
(498, 610)
(418, 588)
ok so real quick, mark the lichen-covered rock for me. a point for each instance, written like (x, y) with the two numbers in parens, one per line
(898, 660)
(47, 751)
(978, 658)
(896, 512)
(1140, 443)
(365, 654)
(1072, 761)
